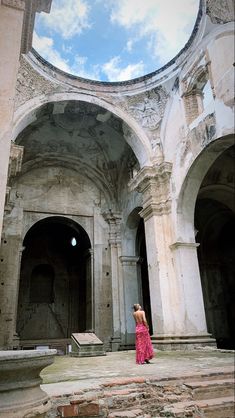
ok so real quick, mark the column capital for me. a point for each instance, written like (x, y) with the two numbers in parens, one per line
(114, 221)
(154, 184)
(129, 260)
(151, 175)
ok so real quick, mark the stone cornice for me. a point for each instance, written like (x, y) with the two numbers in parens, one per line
(154, 184)
(158, 174)
(155, 209)
(129, 260)
(180, 244)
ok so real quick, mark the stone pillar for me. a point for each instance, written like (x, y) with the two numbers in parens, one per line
(90, 325)
(189, 281)
(10, 259)
(173, 304)
(114, 221)
(153, 183)
(131, 295)
(16, 29)
(11, 23)
(10, 256)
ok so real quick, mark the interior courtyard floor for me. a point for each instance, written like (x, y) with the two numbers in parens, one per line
(68, 375)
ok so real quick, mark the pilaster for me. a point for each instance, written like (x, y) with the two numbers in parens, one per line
(131, 296)
(178, 316)
(154, 184)
(114, 221)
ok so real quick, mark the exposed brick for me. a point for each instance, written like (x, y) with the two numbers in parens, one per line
(128, 381)
(68, 410)
(118, 392)
(88, 409)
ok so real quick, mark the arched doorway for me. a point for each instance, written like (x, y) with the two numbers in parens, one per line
(55, 291)
(215, 227)
(143, 272)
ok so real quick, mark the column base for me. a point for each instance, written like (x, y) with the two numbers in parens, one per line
(182, 342)
(115, 343)
(15, 342)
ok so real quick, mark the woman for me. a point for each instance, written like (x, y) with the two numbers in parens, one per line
(144, 348)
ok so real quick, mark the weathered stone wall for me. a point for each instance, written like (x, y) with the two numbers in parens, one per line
(101, 152)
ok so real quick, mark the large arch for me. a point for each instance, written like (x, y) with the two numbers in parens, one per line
(186, 200)
(215, 233)
(206, 221)
(134, 134)
(55, 289)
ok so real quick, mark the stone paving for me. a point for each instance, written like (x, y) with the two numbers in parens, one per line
(70, 374)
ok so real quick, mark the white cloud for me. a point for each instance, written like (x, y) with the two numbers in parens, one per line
(165, 22)
(67, 17)
(45, 47)
(129, 45)
(114, 72)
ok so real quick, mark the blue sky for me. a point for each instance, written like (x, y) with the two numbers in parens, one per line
(113, 40)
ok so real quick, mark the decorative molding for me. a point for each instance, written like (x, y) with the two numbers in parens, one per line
(198, 137)
(220, 11)
(179, 244)
(114, 221)
(154, 184)
(148, 108)
(129, 260)
(159, 174)
(31, 84)
(156, 209)
(16, 158)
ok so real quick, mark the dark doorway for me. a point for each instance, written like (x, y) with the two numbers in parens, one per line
(144, 278)
(215, 225)
(55, 281)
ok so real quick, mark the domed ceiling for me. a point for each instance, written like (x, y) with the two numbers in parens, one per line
(82, 137)
(109, 40)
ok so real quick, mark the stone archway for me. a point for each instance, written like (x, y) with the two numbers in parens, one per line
(195, 193)
(215, 225)
(55, 290)
(134, 135)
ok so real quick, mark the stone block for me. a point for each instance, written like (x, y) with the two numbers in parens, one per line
(86, 344)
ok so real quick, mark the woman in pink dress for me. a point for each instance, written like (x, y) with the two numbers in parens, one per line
(143, 344)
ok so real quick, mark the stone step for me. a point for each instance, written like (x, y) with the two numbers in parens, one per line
(209, 389)
(222, 407)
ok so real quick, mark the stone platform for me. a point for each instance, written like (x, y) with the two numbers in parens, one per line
(81, 385)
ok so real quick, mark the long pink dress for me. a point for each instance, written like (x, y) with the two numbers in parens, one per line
(143, 344)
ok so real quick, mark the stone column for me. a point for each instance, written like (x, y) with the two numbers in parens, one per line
(11, 23)
(153, 183)
(173, 304)
(16, 29)
(89, 255)
(188, 279)
(10, 256)
(131, 295)
(114, 221)
(10, 259)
